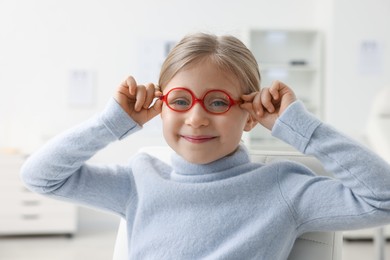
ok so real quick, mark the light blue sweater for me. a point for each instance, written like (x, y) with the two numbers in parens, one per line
(228, 209)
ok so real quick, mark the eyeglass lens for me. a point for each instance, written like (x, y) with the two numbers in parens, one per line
(214, 101)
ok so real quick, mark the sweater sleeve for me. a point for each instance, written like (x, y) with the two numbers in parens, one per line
(59, 168)
(358, 197)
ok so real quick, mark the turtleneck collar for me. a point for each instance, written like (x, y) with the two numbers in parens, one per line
(223, 168)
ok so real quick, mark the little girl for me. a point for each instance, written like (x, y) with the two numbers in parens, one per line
(212, 202)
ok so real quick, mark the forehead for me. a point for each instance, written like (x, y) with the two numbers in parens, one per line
(204, 76)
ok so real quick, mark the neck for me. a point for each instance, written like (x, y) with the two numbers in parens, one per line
(220, 169)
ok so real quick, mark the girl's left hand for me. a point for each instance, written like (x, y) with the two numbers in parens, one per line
(267, 105)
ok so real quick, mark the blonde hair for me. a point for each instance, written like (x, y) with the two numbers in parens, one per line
(227, 52)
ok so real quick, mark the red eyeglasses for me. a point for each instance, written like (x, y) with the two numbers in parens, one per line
(213, 101)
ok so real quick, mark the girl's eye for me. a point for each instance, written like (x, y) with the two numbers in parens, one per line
(218, 106)
(219, 103)
(179, 103)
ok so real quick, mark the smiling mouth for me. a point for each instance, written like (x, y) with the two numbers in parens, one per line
(198, 139)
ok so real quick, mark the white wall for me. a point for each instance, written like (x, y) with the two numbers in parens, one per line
(42, 41)
(352, 84)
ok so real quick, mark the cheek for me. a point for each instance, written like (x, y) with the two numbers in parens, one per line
(165, 115)
(169, 123)
(235, 125)
(238, 119)
(234, 131)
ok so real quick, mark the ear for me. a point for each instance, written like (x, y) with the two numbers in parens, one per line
(250, 123)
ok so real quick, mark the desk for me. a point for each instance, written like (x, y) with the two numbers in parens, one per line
(26, 213)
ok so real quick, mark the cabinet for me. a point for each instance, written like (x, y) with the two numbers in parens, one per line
(23, 212)
(295, 58)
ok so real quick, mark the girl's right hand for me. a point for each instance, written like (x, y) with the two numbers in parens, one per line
(136, 100)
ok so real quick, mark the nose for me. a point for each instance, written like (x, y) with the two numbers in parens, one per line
(197, 116)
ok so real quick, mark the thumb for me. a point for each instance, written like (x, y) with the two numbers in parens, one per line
(155, 109)
(249, 97)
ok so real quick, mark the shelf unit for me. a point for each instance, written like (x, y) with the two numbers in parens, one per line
(27, 213)
(295, 58)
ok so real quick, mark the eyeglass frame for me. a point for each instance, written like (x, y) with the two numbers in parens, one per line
(232, 102)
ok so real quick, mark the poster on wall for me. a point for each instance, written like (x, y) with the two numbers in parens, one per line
(370, 58)
(82, 88)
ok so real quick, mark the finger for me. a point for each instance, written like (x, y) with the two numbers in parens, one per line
(122, 95)
(252, 104)
(266, 100)
(132, 85)
(249, 108)
(274, 90)
(157, 93)
(155, 109)
(124, 84)
(123, 90)
(249, 97)
(257, 105)
(150, 89)
(140, 97)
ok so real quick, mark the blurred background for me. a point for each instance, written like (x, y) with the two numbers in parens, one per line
(60, 62)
